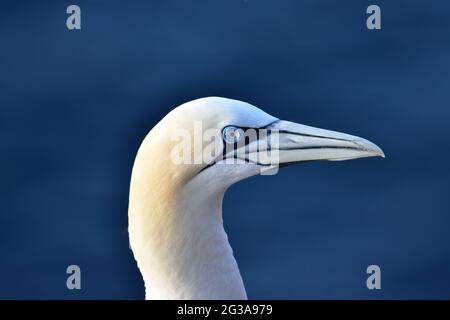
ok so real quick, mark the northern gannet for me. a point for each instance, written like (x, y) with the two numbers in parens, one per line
(175, 209)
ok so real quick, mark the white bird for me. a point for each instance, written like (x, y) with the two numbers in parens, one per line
(175, 209)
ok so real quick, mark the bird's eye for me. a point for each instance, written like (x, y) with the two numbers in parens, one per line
(232, 134)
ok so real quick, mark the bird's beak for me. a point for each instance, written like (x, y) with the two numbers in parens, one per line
(296, 143)
(290, 143)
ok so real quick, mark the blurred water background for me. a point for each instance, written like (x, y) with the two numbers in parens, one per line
(75, 105)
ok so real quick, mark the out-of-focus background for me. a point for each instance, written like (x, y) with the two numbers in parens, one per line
(75, 105)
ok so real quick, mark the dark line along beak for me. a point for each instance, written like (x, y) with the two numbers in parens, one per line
(290, 143)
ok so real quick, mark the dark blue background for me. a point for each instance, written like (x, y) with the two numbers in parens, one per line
(75, 105)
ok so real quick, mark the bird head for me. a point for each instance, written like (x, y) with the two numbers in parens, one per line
(216, 142)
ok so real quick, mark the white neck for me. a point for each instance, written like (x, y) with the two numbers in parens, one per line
(181, 246)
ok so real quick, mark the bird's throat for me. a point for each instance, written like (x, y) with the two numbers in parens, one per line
(183, 252)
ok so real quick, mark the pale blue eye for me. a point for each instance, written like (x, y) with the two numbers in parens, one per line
(231, 134)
